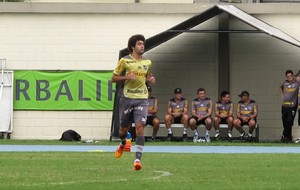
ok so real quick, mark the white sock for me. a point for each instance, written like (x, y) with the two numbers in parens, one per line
(169, 131)
(196, 132)
(184, 131)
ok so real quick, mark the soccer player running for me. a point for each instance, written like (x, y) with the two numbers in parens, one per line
(289, 91)
(224, 114)
(134, 99)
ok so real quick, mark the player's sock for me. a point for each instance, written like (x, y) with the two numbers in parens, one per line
(207, 133)
(154, 134)
(195, 132)
(140, 141)
(123, 139)
(184, 131)
(169, 131)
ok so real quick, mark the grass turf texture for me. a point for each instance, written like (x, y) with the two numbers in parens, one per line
(161, 171)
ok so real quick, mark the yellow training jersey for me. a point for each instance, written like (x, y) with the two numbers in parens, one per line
(135, 89)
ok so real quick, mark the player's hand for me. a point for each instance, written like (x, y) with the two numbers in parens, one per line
(151, 78)
(131, 76)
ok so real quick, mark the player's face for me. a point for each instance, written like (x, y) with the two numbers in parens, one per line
(139, 47)
(202, 95)
(244, 98)
(226, 98)
(178, 96)
(290, 77)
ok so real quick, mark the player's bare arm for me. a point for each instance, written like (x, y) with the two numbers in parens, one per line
(129, 76)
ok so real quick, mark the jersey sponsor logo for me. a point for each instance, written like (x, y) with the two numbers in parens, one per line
(223, 112)
(290, 90)
(246, 112)
(202, 109)
(137, 91)
(140, 74)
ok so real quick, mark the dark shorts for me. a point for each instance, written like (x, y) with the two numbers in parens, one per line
(198, 122)
(132, 110)
(150, 120)
(177, 120)
(223, 121)
(245, 123)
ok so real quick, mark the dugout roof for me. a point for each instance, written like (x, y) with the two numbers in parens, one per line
(188, 24)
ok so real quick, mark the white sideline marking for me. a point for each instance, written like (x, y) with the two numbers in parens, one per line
(162, 174)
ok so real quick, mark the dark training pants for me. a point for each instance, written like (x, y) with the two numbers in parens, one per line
(288, 115)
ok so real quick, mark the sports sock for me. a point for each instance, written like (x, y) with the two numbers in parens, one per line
(123, 139)
(154, 134)
(169, 131)
(195, 132)
(184, 131)
(140, 141)
(207, 133)
(217, 131)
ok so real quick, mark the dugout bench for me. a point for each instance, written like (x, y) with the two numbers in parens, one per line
(178, 128)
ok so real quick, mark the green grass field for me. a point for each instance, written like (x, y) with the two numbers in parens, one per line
(161, 171)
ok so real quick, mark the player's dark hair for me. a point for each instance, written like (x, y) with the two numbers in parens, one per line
(133, 39)
(224, 93)
(200, 89)
(289, 72)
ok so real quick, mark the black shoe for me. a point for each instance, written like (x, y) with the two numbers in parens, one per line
(169, 137)
(184, 138)
(289, 140)
(153, 139)
(286, 139)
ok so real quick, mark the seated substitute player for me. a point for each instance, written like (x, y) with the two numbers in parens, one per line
(152, 119)
(201, 114)
(177, 113)
(246, 114)
(224, 114)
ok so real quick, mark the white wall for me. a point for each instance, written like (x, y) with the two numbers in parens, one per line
(51, 124)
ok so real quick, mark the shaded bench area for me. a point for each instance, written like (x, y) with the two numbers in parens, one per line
(178, 128)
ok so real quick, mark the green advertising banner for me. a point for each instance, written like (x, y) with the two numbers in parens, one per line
(63, 90)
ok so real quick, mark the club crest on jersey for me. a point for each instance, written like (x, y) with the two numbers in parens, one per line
(145, 67)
